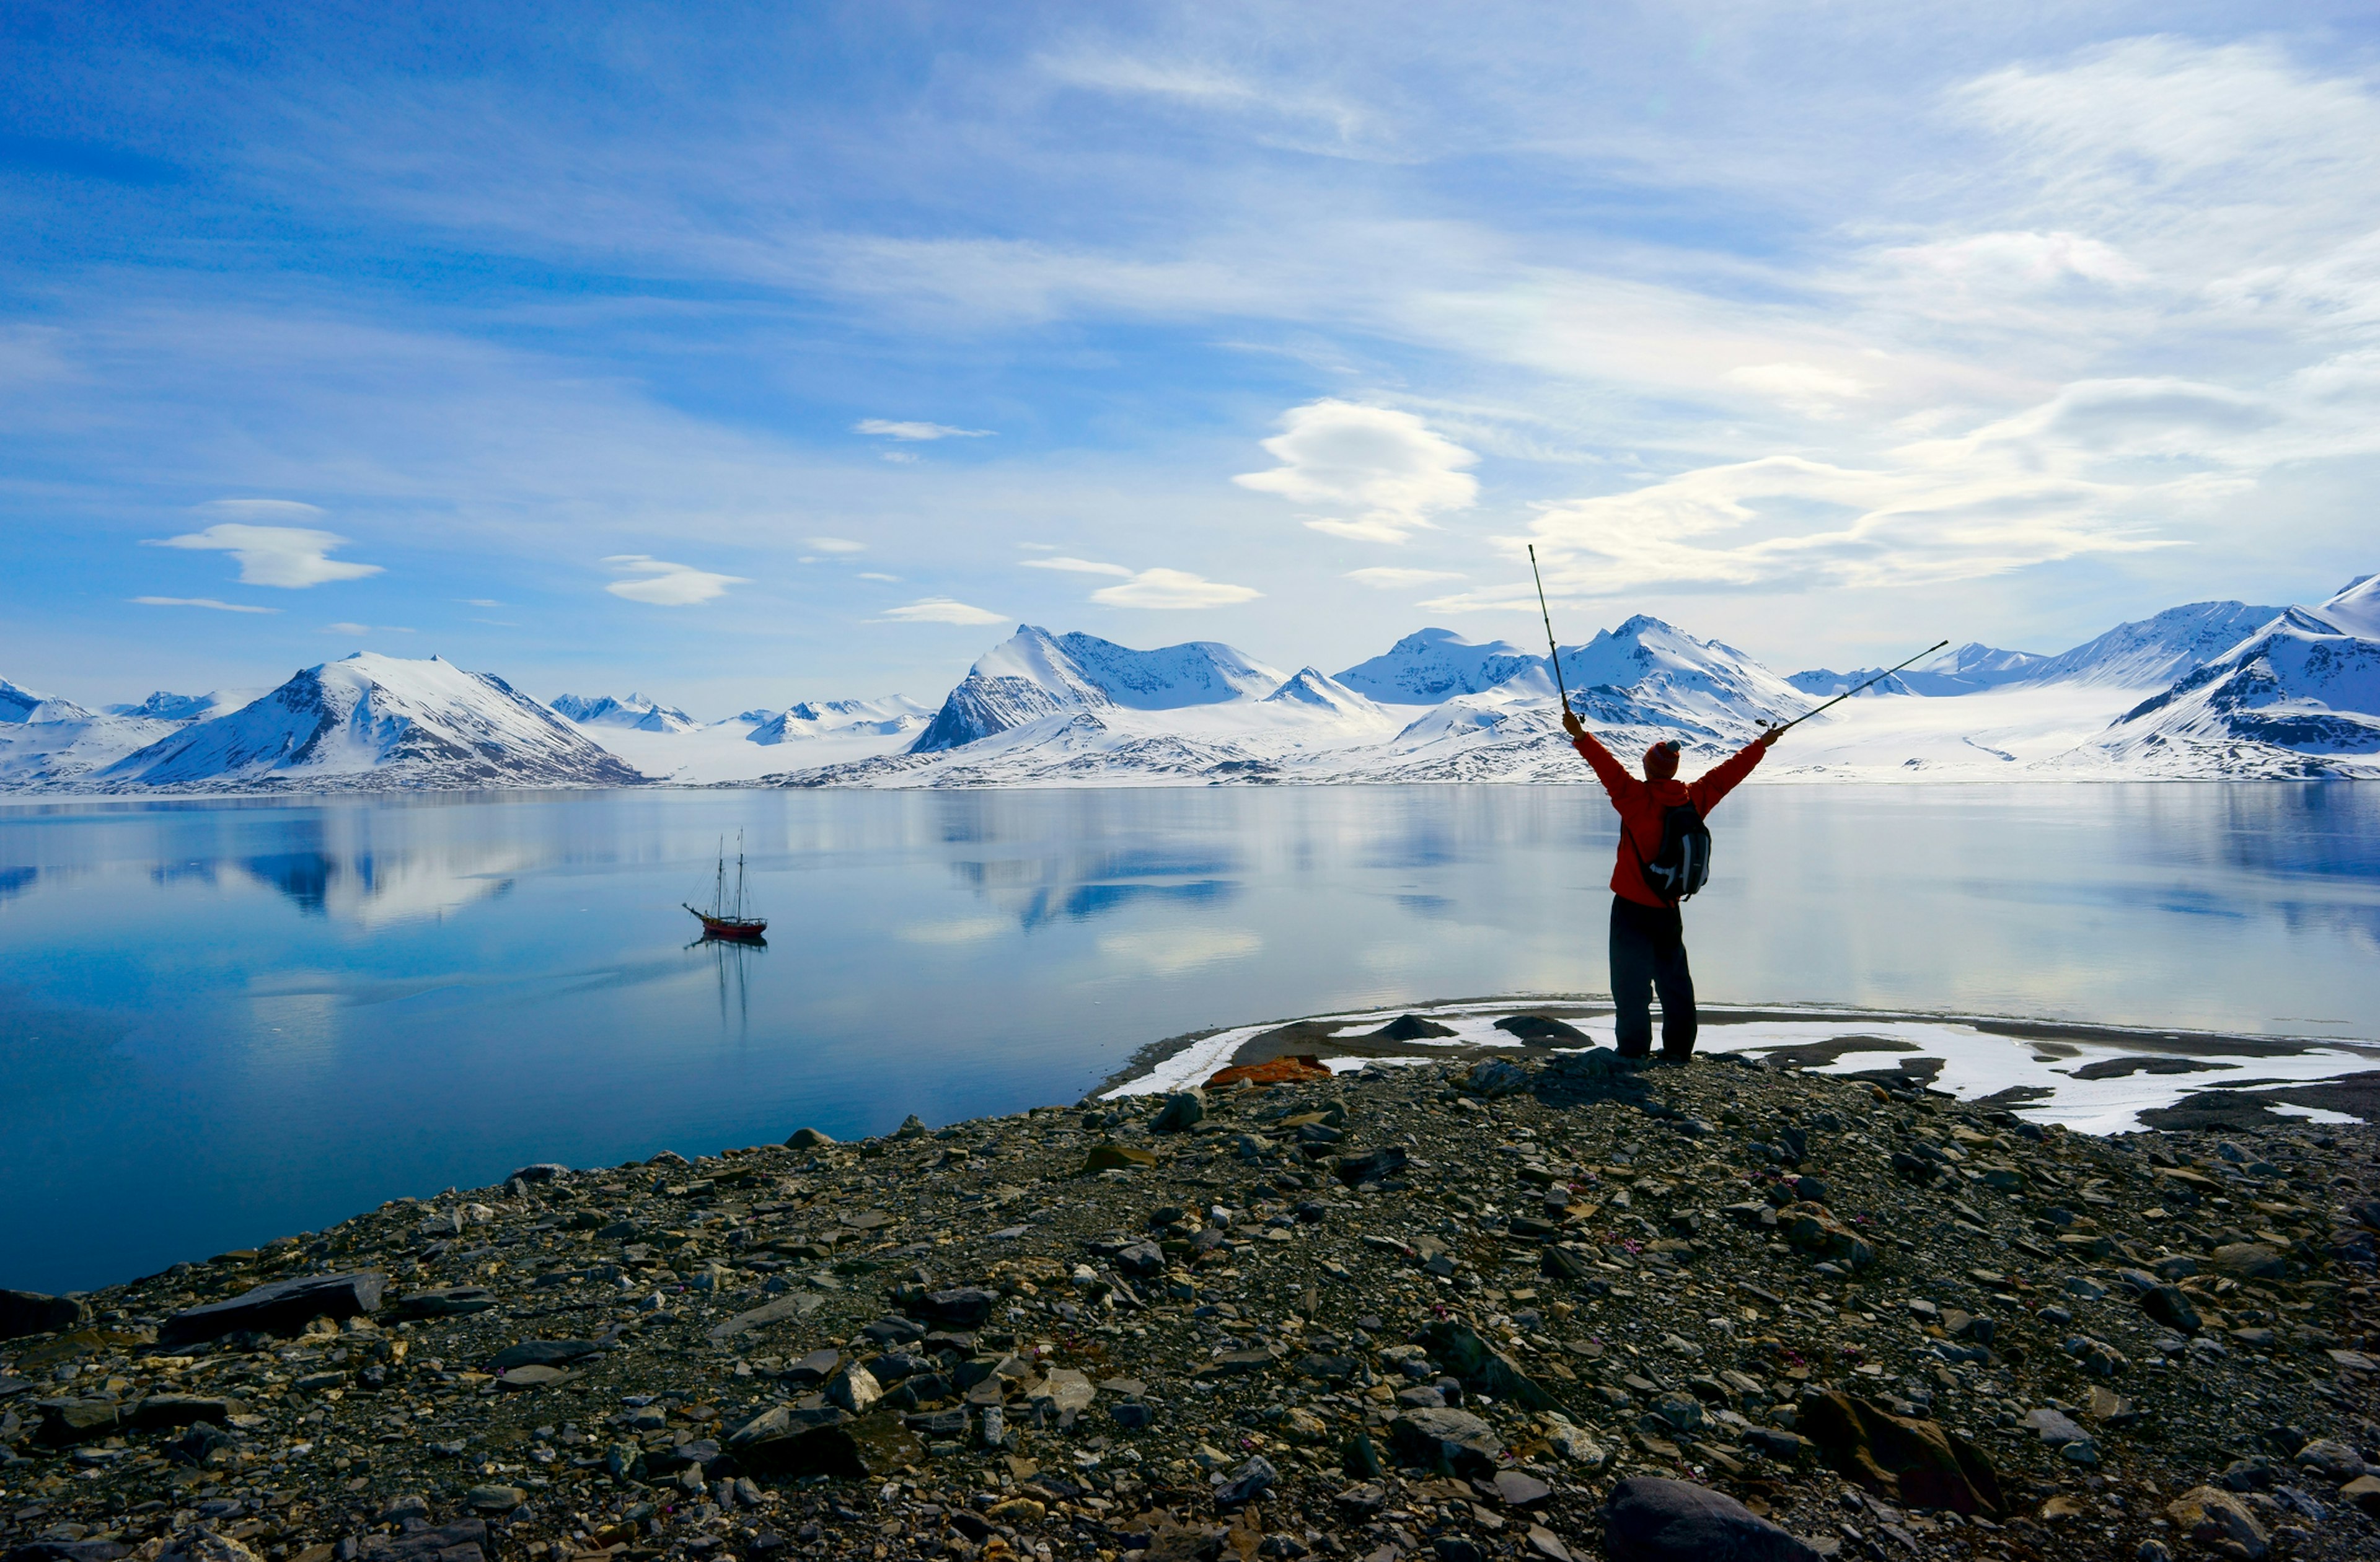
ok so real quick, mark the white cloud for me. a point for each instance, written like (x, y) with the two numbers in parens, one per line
(664, 584)
(1800, 387)
(1173, 589)
(1387, 466)
(364, 629)
(294, 557)
(942, 610)
(1075, 566)
(200, 603)
(891, 429)
(478, 601)
(835, 545)
(1172, 950)
(1384, 577)
(872, 575)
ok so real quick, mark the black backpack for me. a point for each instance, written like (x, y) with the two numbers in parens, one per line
(1682, 865)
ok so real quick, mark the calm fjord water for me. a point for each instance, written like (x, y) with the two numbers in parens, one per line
(224, 1022)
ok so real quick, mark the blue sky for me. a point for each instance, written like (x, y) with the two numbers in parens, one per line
(741, 355)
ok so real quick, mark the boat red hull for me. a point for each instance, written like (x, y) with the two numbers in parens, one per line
(747, 932)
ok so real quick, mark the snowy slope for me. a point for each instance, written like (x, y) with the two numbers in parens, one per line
(45, 740)
(1308, 688)
(1432, 665)
(644, 715)
(812, 720)
(1035, 674)
(2301, 697)
(372, 721)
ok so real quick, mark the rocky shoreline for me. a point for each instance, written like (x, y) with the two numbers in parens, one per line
(1549, 1304)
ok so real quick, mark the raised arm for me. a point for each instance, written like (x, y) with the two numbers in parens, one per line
(1717, 782)
(1608, 769)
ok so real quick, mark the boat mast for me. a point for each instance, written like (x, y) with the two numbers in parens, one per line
(739, 876)
(719, 880)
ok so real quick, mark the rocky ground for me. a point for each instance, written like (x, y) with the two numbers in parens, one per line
(1551, 1306)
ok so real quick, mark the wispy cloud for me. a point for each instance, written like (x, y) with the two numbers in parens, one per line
(835, 545)
(292, 557)
(942, 610)
(1387, 467)
(1074, 566)
(1386, 577)
(1173, 589)
(355, 629)
(886, 428)
(200, 603)
(664, 584)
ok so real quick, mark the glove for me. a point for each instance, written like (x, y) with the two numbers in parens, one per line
(1573, 725)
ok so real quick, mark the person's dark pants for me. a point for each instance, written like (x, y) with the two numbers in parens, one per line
(1649, 953)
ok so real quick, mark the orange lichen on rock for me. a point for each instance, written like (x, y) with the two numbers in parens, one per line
(1298, 1069)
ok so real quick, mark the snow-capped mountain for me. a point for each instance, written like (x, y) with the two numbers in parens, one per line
(812, 720)
(1431, 665)
(2301, 697)
(1033, 674)
(1306, 687)
(644, 715)
(164, 706)
(372, 721)
(45, 740)
(2146, 654)
(19, 704)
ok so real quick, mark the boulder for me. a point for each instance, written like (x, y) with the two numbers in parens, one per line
(1378, 1167)
(204, 1545)
(1494, 1078)
(1917, 1462)
(1112, 1157)
(1183, 1111)
(167, 1412)
(1482, 1369)
(447, 1301)
(1650, 1519)
(964, 1309)
(1447, 1439)
(65, 1423)
(2251, 1261)
(790, 1443)
(281, 1307)
(64, 1551)
(1813, 1229)
(2217, 1520)
(543, 1172)
(806, 1139)
(541, 1354)
(2169, 1305)
(30, 1311)
(463, 1540)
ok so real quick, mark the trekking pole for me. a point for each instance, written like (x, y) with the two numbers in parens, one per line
(1847, 693)
(1550, 628)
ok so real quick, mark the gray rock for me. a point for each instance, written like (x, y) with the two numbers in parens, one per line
(2054, 1428)
(281, 1307)
(1649, 1519)
(494, 1499)
(541, 1354)
(543, 1172)
(2169, 1305)
(30, 1311)
(1183, 1110)
(1251, 1480)
(1449, 1439)
(446, 1301)
(854, 1388)
(2334, 1460)
(1494, 1078)
(806, 1139)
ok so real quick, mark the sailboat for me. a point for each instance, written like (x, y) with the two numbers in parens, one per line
(727, 918)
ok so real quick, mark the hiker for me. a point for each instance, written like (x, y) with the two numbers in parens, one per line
(1648, 949)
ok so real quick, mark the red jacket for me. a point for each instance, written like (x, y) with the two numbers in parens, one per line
(1641, 803)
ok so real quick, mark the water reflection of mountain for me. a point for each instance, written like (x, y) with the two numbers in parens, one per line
(1076, 885)
(379, 887)
(15, 881)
